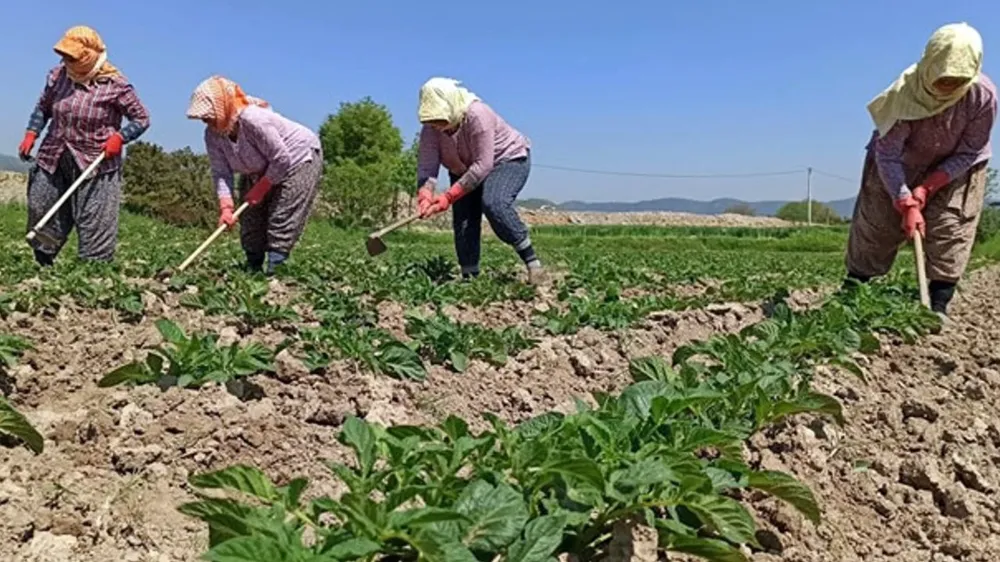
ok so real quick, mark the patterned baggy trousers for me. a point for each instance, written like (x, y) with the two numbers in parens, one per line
(952, 216)
(276, 224)
(93, 209)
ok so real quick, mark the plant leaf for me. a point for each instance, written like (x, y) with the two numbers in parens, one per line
(652, 368)
(170, 331)
(14, 423)
(497, 515)
(358, 435)
(241, 478)
(709, 549)
(541, 537)
(812, 402)
(254, 548)
(787, 488)
(353, 549)
(459, 360)
(725, 516)
(130, 372)
(226, 518)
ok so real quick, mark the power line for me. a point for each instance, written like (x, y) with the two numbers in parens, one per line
(678, 176)
(834, 176)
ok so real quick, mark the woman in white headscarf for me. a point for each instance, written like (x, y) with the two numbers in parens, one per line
(926, 165)
(488, 163)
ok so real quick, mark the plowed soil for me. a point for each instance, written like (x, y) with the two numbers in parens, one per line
(912, 477)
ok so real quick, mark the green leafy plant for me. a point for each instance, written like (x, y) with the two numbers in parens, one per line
(11, 349)
(444, 340)
(666, 451)
(14, 423)
(191, 361)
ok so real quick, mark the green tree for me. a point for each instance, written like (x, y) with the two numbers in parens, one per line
(175, 187)
(362, 132)
(797, 211)
(992, 184)
(741, 209)
(366, 166)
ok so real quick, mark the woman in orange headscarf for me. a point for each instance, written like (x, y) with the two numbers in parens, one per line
(84, 101)
(280, 163)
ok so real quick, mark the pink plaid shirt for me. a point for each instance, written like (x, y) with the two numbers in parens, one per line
(482, 141)
(81, 119)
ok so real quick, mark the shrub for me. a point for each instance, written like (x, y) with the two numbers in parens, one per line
(797, 211)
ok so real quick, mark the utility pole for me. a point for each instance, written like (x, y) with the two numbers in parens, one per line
(809, 196)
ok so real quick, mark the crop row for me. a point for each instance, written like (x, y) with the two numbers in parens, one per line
(666, 452)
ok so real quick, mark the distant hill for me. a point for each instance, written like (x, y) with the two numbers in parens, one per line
(843, 207)
(12, 164)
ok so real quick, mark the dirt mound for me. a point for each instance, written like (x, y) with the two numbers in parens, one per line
(546, 217)
(913, 477)
(13, 187)
(915, 474)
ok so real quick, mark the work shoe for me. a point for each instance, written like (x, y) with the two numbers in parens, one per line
(537, 276)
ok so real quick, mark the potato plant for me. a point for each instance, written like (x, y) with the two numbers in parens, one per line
(13, 423)
(667, 450)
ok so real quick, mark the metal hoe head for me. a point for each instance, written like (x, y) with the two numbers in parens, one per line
(44, 240)
(375, 245)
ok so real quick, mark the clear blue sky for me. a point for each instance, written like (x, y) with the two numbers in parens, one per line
(660, 87)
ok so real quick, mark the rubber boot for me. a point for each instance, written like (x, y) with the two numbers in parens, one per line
(255, 262)
(44, 259)
(536, 273)
(852, 279)
(274, 261)
(941, 295)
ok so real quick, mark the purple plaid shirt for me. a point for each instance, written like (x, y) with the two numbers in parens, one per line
(482, 141)
(952, 141)
(267, 143)
(82, 118)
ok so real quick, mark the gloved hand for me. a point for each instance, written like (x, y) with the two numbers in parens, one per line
(425, 195)
(934, 183)
(442, 202)
(113, 146)
(24, 149)
(258, 192)
(913, 220)
(226, 212)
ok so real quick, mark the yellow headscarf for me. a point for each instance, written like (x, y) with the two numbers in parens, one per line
(89, 54)
(445, 100)
(954, 51)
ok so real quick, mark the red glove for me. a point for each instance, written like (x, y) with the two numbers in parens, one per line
(913, 220)
(441, 203)
(113, 146)
(931, 185)
(425, 195)
(226, 212)
(24, 149)
(258, 192)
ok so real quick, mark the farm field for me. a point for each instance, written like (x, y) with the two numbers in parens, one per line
(691, 392)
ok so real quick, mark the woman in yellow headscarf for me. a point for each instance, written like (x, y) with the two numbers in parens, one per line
(84, 101)
(926, 165)
(488, 162)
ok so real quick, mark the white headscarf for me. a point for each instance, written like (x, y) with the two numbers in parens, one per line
(954, 51)
(445, 100)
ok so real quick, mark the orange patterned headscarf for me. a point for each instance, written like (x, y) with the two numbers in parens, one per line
(219, 102)
(87, 54)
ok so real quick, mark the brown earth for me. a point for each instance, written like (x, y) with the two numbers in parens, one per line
(13, 187)
(912, 477)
